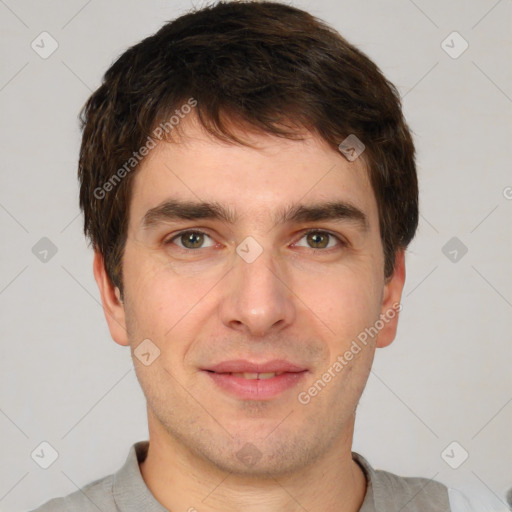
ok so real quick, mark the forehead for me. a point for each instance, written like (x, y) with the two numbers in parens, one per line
(255, 182)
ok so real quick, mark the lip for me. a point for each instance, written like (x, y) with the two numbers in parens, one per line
(255, 389)
(244, 366)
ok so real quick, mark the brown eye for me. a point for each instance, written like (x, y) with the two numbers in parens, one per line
(190, 240)
(320, 240)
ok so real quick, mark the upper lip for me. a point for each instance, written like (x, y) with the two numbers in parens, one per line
(243, 366)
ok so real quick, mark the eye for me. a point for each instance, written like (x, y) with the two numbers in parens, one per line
(320, 240)
(190, 240)
(194, 239)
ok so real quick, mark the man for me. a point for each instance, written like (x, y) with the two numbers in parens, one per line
(249, 187)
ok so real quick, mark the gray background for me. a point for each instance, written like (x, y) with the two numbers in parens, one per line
(446, 377)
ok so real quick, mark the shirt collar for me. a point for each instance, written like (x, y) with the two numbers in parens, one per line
(131, 493)
(371, 498)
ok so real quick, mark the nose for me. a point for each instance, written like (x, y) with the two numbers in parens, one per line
(257, 300)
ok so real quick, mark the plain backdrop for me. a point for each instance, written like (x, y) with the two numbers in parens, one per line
(445, 378)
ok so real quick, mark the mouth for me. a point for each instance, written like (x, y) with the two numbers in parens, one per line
(254, 376)
(255, 381)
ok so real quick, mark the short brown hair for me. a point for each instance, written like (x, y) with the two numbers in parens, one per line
(265, 65)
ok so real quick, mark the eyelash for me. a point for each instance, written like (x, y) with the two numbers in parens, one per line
(341, 243)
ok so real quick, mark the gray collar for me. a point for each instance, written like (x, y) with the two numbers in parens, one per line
(131, 493)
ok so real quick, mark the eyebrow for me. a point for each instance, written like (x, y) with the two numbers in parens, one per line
(174, 209)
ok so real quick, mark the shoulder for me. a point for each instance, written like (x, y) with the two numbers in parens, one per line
(411, 494)
(94, 496)
(389, 492)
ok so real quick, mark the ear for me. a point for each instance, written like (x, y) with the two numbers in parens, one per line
(391, 306)
(113, 307)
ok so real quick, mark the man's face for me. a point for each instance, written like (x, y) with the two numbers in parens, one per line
(205, 295)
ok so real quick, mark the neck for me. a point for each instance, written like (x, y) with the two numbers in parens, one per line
(181, 480)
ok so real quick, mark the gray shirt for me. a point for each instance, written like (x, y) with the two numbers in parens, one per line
(126, 491)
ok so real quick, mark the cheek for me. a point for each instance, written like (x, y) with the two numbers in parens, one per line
(163, 303)
(346, 299)
(147, 297)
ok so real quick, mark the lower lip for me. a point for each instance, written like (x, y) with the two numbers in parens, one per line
(256, 389)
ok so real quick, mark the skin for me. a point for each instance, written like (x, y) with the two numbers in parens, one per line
(207, 305)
